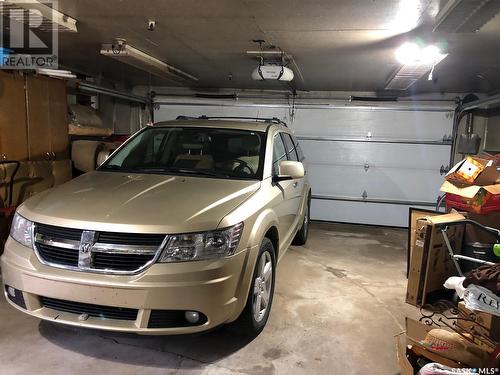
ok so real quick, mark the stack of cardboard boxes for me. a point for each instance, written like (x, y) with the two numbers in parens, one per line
(472, 190)
(34, 132)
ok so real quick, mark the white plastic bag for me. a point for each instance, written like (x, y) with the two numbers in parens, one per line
(456, 283)
(481, 299)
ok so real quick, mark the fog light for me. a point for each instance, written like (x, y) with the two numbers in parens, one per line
(192, 316)
(11, 291)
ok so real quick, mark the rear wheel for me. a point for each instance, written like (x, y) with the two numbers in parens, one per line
(301, 236)
(260, 297)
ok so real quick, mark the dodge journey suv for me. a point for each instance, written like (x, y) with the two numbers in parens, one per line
(178, 231)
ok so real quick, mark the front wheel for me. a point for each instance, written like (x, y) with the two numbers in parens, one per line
(301, 236)
(260, 297)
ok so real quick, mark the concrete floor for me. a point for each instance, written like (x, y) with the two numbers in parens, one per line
(339, 302)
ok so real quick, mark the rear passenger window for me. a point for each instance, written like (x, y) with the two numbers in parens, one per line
(300, 154)
(290, 147)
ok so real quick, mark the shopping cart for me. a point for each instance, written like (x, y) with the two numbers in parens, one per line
(495, 246)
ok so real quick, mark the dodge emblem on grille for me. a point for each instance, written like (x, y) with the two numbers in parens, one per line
(87, 241)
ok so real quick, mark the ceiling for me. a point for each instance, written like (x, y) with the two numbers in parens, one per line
(344, 45)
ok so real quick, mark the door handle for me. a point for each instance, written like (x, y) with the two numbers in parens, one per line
(295, 184)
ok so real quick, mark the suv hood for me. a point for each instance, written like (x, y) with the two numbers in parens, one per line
(131, 202)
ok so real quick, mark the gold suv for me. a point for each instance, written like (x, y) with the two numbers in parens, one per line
(178, 231)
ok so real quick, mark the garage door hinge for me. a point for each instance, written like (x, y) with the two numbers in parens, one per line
(365, 195)
(366, 166)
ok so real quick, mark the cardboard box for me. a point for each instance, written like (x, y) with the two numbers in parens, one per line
(481, 322)
(414, 215)
(474, 170)
(479, 199)
(430, 262)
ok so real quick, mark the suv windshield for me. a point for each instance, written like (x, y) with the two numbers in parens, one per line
(213, 152)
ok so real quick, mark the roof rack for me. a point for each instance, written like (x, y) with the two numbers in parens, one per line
(268, 120)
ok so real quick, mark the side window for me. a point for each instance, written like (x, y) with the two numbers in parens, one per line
(279, 152)
(300, 154)
(290, 147)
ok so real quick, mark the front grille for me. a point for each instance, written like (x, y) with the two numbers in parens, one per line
(58, 255)
(59, 232)
(104, 312)
(122, 262)
(138, 239)
(111, 252)
(172, 319)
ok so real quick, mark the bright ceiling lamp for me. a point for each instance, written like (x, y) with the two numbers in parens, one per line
(121, 51)
(47, 17)
(408, 53)
(415, 62)
(412, 53)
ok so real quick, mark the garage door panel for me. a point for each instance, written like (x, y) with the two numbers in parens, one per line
(170, 112)
(376, 154)
(381, 183)
(356, 123)
(361, 212)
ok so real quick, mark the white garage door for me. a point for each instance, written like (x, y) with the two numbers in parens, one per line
(366, 164)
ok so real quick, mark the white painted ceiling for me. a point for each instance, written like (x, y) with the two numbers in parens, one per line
(337, 44)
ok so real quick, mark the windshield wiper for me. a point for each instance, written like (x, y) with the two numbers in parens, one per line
(203, 172)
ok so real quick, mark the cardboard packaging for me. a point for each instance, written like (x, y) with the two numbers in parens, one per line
(474, 170)
(430, 262)
(479, 199)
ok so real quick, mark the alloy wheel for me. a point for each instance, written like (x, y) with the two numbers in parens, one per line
(262, 286)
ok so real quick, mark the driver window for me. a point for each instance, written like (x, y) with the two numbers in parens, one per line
(279, 152)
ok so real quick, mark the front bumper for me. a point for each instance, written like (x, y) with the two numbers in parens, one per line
(215, 288)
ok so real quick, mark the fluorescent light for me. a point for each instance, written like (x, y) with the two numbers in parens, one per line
(132, 56)
(56, 73)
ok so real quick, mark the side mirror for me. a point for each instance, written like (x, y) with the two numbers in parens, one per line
(289, 170)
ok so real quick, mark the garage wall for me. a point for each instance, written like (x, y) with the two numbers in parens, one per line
(366, 164)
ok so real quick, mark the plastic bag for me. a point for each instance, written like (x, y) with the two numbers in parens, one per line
(438, 369)
(475, 297)
(456, 283)
(481, 299)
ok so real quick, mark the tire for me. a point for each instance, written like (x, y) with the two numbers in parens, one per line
(301, 236)
(250, 323)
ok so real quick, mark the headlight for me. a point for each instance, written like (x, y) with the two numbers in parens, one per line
(22, 230)
(199, 246)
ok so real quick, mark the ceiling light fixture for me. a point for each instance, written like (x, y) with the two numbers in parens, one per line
(56, 73)
(416, 62)
(121, 51)
(412, 53)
